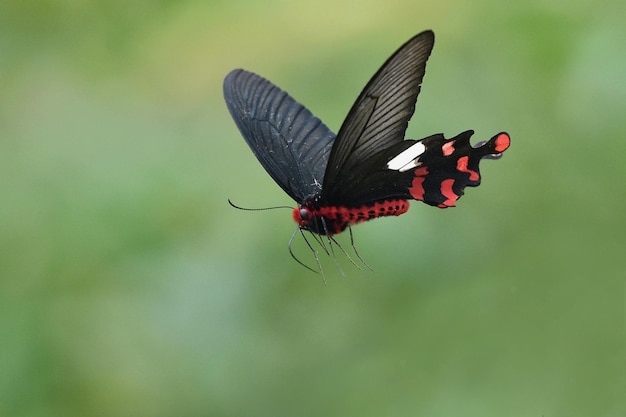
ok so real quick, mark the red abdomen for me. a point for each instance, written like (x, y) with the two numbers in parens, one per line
(330, 220)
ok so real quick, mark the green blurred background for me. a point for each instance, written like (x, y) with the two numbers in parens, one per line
(129, 287)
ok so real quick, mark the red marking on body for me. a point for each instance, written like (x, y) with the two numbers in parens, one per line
(461, 166)
(417, 186)
(353, 215)
(296, 215)
(337, 218)
(448, 148)
(503, 141)
(446, 190)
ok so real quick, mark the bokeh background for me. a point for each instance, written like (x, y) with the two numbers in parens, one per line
(129, 287)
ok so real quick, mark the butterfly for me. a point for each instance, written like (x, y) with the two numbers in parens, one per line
(368, 169)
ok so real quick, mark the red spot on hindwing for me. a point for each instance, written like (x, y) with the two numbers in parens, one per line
(446, 190)
(417, 188)
(448, 148)
(417, 185)
(503, 141)
(461, 166)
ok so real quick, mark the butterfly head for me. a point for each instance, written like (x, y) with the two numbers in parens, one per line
(308, 218)
(302, 215)
(321, 219)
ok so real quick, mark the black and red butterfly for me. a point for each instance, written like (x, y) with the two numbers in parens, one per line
(368, 169)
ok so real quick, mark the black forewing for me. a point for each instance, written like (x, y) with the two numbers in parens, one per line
(288, 140)
(379, 117)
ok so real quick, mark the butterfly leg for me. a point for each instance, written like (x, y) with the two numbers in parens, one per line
(344, 252)
(356, 252)
(293, 235)
(320, 242)
(330, 245)
(317, 259)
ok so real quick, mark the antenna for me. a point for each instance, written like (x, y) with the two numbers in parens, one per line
(257, 209)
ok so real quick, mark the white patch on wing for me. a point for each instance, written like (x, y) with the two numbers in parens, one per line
(407, 159)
